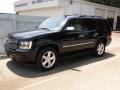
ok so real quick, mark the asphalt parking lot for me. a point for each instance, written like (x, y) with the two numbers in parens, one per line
(78, 73)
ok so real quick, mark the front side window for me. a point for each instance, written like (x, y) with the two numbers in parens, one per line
(74, 23)
(52, 24)
(82, 24)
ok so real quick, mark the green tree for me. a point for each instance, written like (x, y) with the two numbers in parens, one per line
(114, 3)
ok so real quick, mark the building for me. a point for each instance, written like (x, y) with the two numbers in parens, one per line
(68, 7)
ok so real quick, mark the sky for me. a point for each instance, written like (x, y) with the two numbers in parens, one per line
(6, 6)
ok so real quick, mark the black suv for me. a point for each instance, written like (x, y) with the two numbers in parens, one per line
(58, 35)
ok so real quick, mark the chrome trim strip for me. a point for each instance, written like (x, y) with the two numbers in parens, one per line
(77, 45)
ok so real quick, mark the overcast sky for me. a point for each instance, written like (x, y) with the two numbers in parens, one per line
(6, 6)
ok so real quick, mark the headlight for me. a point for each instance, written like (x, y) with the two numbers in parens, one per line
(25, 44)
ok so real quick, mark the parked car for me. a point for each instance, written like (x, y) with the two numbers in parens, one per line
(58, 35)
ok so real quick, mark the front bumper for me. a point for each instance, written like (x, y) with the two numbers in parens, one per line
(21, 55)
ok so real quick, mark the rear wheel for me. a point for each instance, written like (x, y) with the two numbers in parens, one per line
(99, 49)
(47, 59)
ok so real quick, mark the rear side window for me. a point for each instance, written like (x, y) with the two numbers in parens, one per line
(87, 24)
(101, 24)
(107, 25)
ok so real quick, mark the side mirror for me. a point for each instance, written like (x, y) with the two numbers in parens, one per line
(70, 28)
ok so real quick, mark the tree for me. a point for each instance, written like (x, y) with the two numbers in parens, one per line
(114, 3)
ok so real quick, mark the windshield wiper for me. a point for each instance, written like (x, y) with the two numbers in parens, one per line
(45, 29)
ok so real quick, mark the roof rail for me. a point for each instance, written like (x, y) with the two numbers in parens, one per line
(72, 15)
(91, 16)
(83, 16)
(97, 16)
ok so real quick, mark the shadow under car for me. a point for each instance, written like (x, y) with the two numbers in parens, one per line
(30, 71)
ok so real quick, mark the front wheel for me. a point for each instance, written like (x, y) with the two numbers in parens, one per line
(47, 59)
(99, 49)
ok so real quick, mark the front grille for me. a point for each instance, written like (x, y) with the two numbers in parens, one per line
(12, 43)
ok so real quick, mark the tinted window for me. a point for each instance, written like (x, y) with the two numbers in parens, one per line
(74, 23)
(87, 24)
(107, 25)
(101, 24)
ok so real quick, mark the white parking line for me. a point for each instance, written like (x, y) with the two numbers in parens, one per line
(35, 84)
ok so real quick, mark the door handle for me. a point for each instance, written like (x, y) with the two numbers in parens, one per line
(81, 36)
(70, 33)
(95, 34)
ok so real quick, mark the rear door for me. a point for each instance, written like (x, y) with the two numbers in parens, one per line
(89, 32)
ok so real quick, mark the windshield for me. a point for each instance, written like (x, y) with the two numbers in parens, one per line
(52, 24)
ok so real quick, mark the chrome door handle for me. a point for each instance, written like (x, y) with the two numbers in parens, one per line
(81, 36)
(95, 34)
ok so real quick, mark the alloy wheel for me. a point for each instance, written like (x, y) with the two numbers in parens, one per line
(48, 59)
(100, 48)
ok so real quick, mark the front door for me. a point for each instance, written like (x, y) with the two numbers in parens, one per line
(83, 36)
(71, 39)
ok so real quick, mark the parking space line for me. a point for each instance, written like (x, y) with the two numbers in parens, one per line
(35, 84)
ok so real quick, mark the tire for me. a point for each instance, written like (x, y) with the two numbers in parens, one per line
(99, 49)
(47, 59)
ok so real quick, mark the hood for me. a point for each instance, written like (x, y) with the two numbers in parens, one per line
(28, 34)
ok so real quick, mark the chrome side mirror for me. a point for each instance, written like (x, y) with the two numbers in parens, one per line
(70, 28)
